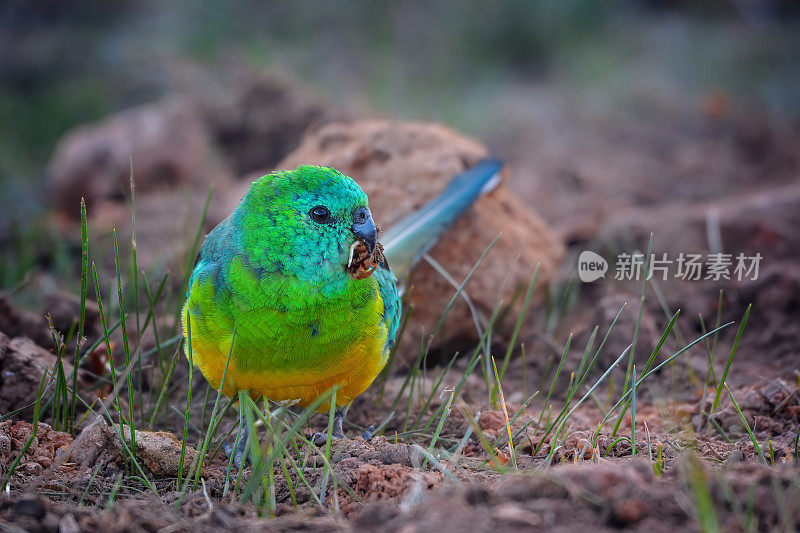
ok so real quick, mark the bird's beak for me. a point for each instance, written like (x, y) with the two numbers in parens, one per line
(364, 228)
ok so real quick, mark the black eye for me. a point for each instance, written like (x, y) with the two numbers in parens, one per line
(320, 214)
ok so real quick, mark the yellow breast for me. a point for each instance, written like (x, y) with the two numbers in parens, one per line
(352, 369)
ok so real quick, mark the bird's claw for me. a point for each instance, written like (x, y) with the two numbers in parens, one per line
(227, 448)
(367, 435)
(238, 451)
(319, 439)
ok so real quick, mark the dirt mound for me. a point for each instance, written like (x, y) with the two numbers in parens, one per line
(62, 308)
(256, 121)
(21, 365)
(394, 485)
(771, 409)
(31, 512)
(748, 222)
(167, 144)
(602, 497)
(401, 166)
(179, 148)
(183, 142)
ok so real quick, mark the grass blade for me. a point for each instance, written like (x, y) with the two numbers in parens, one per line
(445, 414)
(518, 325)
(125, 347)
(746, 425)
(728, 363)
(82, 316)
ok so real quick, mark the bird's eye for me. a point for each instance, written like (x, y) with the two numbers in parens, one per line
(360, 215)
(320, 214)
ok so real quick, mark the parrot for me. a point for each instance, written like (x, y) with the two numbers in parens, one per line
(293, 294)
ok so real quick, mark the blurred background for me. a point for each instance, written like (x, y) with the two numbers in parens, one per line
(602, 108)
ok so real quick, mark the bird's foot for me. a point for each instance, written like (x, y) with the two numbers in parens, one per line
(238, 450)
(367, 435)
(337, 432)
(319, 439)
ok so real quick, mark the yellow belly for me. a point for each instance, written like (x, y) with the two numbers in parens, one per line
(354, 370)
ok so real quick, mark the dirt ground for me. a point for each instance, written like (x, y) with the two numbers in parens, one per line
(716, 177)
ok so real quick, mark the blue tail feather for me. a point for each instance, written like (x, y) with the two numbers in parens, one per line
(409, 239)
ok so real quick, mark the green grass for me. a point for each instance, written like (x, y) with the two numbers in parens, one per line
(82, 318)
(702, 500)
(729, 362)
(746, 425)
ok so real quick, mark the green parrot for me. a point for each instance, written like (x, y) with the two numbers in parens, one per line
(293, 293)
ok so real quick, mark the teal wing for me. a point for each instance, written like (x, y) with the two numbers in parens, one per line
(405, 242)
(391, 301)
(219, 248)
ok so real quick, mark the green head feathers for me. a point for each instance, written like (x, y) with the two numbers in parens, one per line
(303, 222)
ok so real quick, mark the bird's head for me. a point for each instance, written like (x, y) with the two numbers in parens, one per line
(307, 222)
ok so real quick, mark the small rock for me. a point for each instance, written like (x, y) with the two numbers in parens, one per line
(736, 456)
(492, 420)
(95, 439)
(43, 460)
(32, 468)
(514, 515)
(159, 451)
(381, 451)
(68, 524)
(629, 511)
(477, 495)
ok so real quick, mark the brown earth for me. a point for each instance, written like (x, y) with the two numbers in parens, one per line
(606, 497)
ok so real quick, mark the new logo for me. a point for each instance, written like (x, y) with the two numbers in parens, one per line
(591, 266)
